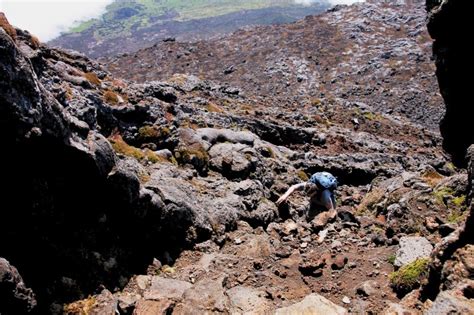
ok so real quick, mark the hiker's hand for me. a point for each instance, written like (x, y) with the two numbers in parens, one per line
(281, 200)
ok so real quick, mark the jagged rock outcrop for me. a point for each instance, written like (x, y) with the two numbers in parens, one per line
(83, 211)
(450, 284)
(448, 19)
(17, 298)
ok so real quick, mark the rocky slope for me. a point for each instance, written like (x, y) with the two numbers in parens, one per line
(158, 197)
(377, 53)
(128, 26)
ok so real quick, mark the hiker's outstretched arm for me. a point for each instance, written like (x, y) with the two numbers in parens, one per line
(290, 191)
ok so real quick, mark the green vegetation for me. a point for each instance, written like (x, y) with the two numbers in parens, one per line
(391, 259)
(410, 276)
(442, 193)
(372, 116)
(459, 201)
(83, 26)
(455, 216)
(123, 16)
(458, 208)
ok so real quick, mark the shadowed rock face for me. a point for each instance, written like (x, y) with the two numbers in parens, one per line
(16, 297)
(452, 291)
(69, 219)
(447, 23)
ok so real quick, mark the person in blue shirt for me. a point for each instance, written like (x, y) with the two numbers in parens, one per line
(320, 188)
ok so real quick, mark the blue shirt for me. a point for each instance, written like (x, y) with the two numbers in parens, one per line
(325, 180)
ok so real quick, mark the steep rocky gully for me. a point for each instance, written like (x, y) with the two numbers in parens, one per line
(151, 190)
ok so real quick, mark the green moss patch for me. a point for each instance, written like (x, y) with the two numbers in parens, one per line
(410, 276)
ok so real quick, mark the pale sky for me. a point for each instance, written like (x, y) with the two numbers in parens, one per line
(47, 18)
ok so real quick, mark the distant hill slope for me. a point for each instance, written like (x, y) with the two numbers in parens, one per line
(131, 25)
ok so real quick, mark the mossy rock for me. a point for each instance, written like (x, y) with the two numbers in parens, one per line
(121, 147)
(410, 276)
(302, 175)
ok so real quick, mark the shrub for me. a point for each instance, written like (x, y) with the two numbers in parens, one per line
(370, 116)
(147, 133)
(431, 177)
(410, 276)
(120, 146)
(316, 102)
(370, 200)
(35, 42)
(81, 307)
(194, 155)
(92, 78)
(213, 108)
(111, 97)
(9, 29)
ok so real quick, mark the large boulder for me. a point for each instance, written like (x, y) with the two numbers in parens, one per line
(206, 296)
(246, 300)
(449, 302)
(312, 304)
(411, 249)
(232, 160)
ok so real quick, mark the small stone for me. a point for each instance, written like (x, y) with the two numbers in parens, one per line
(367, 288)
(289, 227)
(339, 262)
(238, 241)
(283, 252)
(346, 300)
(431, 224)
(143, 282)
(304, 245)
(322, 235)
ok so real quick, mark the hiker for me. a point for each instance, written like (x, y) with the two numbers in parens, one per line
(320, 188)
